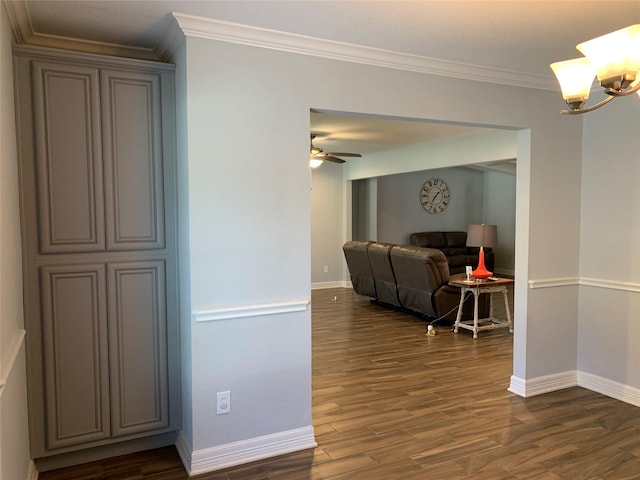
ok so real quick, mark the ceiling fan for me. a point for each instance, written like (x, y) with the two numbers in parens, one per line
(318, 155)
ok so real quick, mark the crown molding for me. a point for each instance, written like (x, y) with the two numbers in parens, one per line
(208, 28)
(213, 29)
(24, 34)
(19, 20)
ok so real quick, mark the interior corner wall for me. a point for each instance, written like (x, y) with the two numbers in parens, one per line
(364, 208)
(608, 330)
(15, 461)
(184, 259)
(249, 219)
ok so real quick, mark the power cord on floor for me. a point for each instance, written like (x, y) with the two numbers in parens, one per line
(431, 330)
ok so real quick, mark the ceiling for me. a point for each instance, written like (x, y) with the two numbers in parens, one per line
(509, 36)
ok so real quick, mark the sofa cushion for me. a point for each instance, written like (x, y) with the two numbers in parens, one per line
(383, 276)
(454, 246)
(419, 273)
(456, 239)
(451, 251)
(357, 256)
(429, 239)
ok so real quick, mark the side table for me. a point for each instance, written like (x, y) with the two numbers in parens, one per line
(478, 287)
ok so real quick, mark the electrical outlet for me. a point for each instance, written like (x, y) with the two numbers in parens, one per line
(326, 269)
(223, 404)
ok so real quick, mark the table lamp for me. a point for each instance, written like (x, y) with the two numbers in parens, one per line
(482, 236)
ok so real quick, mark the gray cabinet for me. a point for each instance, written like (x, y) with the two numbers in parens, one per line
(97, 167)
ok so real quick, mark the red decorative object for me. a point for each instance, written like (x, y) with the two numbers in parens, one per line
(481, 272)
(482, 236)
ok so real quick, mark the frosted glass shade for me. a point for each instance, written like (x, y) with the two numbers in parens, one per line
(314, 162)
(575, 78)
(614, 55)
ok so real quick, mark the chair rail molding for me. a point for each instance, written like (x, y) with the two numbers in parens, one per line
(245, 311)
(584, 281)
(553, 282)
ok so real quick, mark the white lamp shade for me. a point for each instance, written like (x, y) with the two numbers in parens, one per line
(575, 78)
(614, 55)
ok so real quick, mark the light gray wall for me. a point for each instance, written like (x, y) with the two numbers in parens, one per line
(364, 209)
(499, 208)
(327, 224)
(249, 239)
(609, 330)
(249, 210)
(400, 212)
(14, 445)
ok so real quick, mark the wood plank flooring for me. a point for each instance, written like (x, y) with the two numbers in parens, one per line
(391, 403)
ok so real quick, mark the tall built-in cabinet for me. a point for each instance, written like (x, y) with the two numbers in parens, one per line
(97, 167)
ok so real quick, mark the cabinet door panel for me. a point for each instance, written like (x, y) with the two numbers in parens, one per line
(133, 158)
(75, 354)
(68, 158)
(138, 346)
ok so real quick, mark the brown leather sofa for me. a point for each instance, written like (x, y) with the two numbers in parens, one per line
(407, 277)
(454, 247)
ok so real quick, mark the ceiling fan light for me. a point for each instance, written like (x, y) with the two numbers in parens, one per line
(575, 78)
(615, 56)
(315, 162)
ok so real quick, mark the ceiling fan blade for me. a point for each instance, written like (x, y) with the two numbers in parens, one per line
(336, 154)
(329, 158)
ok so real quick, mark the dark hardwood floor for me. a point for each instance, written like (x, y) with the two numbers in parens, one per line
(391, 403)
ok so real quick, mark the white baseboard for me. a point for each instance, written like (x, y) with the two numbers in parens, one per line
(335, 284)
(184, 448)
(245, 451)
(544, 384)
(32, 472)
(610, 388)
(560, 381)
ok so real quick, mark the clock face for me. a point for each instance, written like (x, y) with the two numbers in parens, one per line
(434, 195)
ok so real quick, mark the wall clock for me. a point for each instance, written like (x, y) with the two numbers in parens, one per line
(434, 195)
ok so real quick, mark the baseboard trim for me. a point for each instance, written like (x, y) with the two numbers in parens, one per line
(32, 471)
(334, 284)
(610, 388)
(8, 360)
(544, 384)
(560, 381)
(245, 451)
(184, 448)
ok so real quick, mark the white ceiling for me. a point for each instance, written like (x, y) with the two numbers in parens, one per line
(513, 36)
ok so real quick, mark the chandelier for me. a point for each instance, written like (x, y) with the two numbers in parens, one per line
(614, 58)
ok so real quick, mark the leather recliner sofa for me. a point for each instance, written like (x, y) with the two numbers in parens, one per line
(454, 247)
(407, 277)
